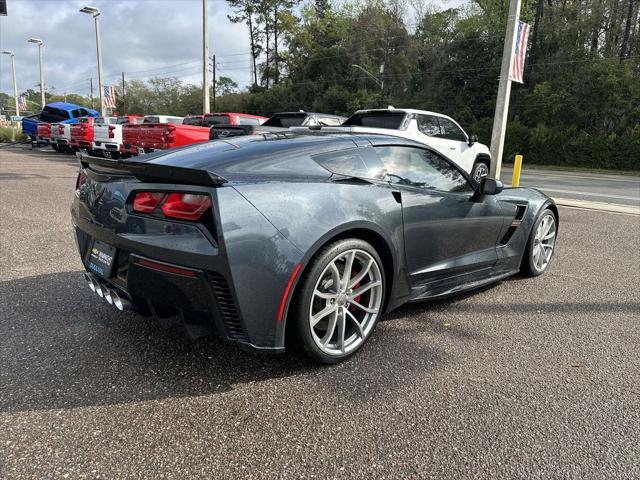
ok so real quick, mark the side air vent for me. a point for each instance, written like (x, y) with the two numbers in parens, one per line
(508, 235)
(227, 308)
(520, 209)
(515, 223)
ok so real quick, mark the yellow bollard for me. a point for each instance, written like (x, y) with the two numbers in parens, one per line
(517, 168)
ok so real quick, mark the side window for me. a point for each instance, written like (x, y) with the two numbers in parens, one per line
(353, 162)
(76, 113)
(429, 125)
(451, 131)
(330, 121)
(249, 121)
(415, 167)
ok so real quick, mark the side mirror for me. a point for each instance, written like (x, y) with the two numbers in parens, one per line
(473, 139)
(489, 186)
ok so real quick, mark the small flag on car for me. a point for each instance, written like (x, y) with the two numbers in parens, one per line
(22, 102)
(517, 68)
(109, 96)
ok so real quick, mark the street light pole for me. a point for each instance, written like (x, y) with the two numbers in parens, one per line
(95, 12)
(40, 44)
(379, 81)
(504, 91)
(15, 84)
(205, 57)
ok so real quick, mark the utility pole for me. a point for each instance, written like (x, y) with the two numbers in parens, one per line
(91, 87)
(205, 57)
(124, 97)
(40, 44)
(15, 85)
(504, 90)
(214, 82)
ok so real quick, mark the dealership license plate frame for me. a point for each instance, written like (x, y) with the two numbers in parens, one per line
(101, 258)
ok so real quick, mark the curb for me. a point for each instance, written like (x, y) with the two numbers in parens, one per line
(600, 206)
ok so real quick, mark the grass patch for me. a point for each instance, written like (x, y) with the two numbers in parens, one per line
(11, 134)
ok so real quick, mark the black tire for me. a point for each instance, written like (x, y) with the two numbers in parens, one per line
(55, 147)
(529, 266)
(305, 295)
(480, 170)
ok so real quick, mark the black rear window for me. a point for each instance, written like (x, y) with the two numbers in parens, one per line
(197, 121)
(211, 120)
(391, 120)
(53, 115)
(286, 121)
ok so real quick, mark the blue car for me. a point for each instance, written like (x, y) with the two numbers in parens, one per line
(56, 112)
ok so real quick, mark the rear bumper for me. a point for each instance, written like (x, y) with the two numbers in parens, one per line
(201, 301)
(111, 146)
(74, 143)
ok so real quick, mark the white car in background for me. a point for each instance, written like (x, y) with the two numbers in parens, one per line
(107, 134)
(436, 130)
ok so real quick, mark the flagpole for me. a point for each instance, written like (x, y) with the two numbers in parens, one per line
(504, 91)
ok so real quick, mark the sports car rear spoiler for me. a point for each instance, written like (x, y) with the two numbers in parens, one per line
(152, 172)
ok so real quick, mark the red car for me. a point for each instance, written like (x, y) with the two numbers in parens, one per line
(82, 134)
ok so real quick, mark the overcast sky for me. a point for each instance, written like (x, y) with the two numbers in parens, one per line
(143, 38)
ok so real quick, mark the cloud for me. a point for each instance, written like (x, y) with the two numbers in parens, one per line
(142, 38)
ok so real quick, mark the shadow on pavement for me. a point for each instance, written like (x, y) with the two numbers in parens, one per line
(64, 348)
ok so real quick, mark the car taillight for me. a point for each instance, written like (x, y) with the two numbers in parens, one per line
(168, 133)
(81, 179)
(60, 130)
(111, 129)
(186, 206)
(146, 202)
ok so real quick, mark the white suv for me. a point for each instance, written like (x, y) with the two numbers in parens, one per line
(438, 131)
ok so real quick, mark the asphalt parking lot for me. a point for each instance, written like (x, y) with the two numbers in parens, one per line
(529, 378)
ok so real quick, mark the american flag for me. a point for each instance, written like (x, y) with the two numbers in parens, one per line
(109, 96)
(517, 68)
(22, 102)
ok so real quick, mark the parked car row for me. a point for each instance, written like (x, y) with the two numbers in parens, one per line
(131, 135)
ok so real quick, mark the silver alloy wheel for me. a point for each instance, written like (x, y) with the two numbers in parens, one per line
(480, 171)
(544, 241)
(346, 302)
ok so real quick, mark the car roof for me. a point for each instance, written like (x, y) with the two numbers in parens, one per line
(401, 110)
(283, 155)
(308, 113)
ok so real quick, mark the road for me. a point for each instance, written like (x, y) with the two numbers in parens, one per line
(614, 189)
(529, 378)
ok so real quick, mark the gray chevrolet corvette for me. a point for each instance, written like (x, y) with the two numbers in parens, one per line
(298, 240)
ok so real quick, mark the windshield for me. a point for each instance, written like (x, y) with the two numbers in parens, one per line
(382, 119)
(286, 121)
(53, 115)
(211, 120)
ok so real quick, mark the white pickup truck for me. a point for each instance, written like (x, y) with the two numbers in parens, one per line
(436, 130)
(107, 134)
(60, 136)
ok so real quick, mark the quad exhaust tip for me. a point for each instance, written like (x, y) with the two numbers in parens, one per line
(111, 295)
